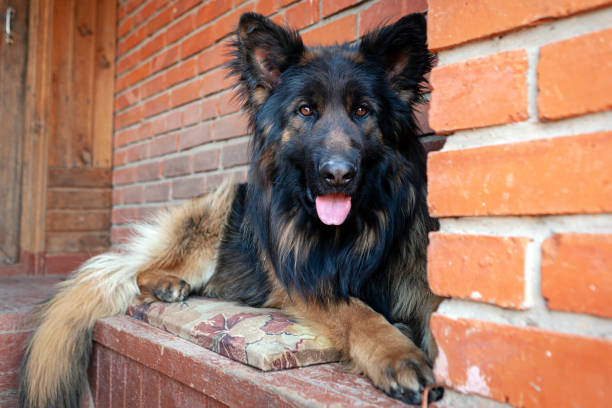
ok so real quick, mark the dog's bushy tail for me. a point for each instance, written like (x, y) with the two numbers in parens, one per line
(54, 368)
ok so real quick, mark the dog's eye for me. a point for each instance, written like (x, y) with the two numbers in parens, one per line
(361, 111)
(306, 110)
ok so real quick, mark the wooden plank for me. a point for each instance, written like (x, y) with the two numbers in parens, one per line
(78, 199)
(36, 135)
(83, 78)
(72, 242)
(62, 114)
(78, 220)
(104, 80)
(12, 124)
(80, 177)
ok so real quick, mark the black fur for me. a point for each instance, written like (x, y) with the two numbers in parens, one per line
(386, 70)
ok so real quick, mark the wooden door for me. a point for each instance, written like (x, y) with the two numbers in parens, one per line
(13, 59)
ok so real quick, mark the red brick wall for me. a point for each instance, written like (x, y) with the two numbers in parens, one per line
(177, 130)
(523, 190)
(523, 185)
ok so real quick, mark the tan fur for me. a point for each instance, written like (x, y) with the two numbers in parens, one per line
(179, 245)
(373, 346)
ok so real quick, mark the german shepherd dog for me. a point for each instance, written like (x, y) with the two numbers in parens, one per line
(331, 226)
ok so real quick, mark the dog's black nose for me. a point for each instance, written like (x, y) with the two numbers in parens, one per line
(337, 172)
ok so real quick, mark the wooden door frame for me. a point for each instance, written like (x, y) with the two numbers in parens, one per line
(35, 143)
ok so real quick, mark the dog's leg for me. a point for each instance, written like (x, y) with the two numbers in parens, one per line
(373, 346)
(185, 260)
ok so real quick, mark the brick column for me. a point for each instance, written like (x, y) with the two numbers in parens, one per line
(523, 190)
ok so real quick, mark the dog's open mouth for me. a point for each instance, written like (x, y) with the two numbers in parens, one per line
(332, 209)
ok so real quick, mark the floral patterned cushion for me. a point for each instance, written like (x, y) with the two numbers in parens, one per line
(263, 338)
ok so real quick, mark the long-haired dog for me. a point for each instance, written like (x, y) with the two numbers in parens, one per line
(330, 227)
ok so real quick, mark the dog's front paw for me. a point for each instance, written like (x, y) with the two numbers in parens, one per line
(404, 374)
(171, 289)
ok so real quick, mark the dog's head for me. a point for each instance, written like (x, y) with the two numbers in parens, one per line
(334, 115)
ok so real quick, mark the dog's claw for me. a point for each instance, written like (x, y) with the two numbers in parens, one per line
(171, 289)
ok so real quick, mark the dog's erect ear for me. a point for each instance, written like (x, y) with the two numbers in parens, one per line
(262, 51)
(402, 49)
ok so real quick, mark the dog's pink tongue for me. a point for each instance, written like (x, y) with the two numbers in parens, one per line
(333, 209)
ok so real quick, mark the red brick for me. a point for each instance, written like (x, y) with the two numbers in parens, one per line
(210, 107)
(213, 57)
(198, 41)
(195, 136)
(387, 11)
(123, 176)
(157, 192)
(152, 46)
(338, 31)
(230, 126)
(124, 27)
(211, 10)
(145, 12)
(567, 88)
(187, 187)
(191, 114)
(167, 122)
(157, 104)
(163, 144)
(132, 40)
(176, 166)
(180, 28)
(565, 175)
(134, 373)
(124, 137)
(136, 75)
(137, 152)
(577, 273)
(165, 58)
(181, 72)
(118, 380)
(117, 196)
(147, 172)
(121, 12)
(145, 213)
(329, 7)
(522, 366)
(170, 393)
(229, 103)
(122, 215)
(267, 7)
(159, 20)
(186, 93)
(485, 91)
(227, 24)
(127, 99)
(454, 22)
(235, 155)
(302, 14)
(127, 62)
(119, 158)
(216, 81)
(151, 387)
(132, 194)
(128, 117)
(483, 268)
(206, 160)
(133, 5)
(278, 19)
(119, 236)
(153, 85)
